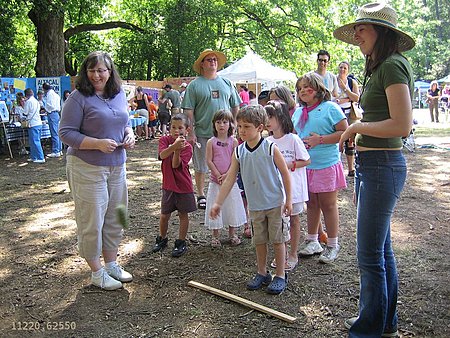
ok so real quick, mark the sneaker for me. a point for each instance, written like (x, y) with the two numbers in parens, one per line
(118, 273)
(38, 161)
(180, 248)
(105, 281)
(258, 281)
(54, 155)
(387, 333)
(310, 248)
(329, 255)
(160, 244)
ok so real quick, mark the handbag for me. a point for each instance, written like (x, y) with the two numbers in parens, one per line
(356, 111)
(26, 123)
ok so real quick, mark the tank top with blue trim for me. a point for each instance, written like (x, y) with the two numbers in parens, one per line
(262, 179)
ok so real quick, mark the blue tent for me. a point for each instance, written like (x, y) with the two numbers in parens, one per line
(421, 84)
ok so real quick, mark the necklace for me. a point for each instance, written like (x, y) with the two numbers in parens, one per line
(102, 98)
(106, 101)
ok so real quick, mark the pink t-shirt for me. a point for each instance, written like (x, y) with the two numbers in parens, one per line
(244, 97)
(221, 155)
(179, 179)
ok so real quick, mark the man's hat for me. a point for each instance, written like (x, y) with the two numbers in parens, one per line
(380, 14)
(221, 60)
(167, 86)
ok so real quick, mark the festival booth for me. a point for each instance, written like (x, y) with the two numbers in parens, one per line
(420, 94)
(9, 88)
(252, 68)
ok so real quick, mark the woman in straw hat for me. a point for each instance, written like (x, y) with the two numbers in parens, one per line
(380, 165)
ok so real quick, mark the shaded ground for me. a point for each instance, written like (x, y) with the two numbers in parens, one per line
(45, 285)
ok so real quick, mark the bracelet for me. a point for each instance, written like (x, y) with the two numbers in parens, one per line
(294, 164)
(321, 139)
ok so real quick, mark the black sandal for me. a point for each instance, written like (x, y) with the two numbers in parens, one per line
(351, 173)
(201, 202)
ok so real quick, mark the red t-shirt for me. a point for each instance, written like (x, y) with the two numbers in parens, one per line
(178, 179)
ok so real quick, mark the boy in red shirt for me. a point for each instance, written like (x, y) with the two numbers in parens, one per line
(177, 188)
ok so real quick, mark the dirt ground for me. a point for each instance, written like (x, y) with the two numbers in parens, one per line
(45, 284)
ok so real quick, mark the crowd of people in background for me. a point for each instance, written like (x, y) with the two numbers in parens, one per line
(284, 146)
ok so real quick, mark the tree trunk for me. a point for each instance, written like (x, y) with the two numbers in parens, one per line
(50, 43)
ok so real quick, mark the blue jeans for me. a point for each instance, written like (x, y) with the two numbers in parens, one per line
(380, 177)
(53, 124)
(34, 139)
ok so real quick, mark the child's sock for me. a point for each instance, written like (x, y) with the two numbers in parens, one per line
(332, 242)
(312, 237)
(97, 274)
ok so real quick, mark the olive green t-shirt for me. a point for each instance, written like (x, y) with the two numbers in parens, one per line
(395, 69)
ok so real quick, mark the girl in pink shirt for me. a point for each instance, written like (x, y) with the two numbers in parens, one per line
(219, 150)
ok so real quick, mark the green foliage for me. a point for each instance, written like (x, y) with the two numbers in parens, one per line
(287, 33)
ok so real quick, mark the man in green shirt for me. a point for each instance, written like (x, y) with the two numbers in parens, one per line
(205, 96)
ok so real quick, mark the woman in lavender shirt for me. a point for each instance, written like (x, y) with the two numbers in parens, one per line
(94, 123)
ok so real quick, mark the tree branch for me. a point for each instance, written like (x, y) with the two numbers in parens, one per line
(99, 27)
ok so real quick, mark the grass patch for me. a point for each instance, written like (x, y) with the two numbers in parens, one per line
(436, 131)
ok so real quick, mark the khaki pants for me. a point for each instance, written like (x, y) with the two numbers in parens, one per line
(96, 191)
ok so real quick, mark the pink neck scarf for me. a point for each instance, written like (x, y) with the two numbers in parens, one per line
(305, 112)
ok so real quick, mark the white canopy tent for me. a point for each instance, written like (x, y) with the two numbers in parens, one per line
(252, 68)
(445, 79)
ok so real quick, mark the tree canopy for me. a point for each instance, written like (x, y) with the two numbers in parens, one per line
(154, 39)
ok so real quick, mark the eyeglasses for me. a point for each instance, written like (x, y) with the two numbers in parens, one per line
(210, 60)
(99, 71)
(322, 60)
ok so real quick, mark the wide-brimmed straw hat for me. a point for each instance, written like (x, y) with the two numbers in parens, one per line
(221, 60)
(376, 13)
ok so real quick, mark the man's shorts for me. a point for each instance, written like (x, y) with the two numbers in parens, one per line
(199, 157)
(267, 226)
(164, 117)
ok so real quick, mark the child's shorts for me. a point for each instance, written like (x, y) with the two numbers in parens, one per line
(267, 226)
(327, 179)
(171, 201)
(297, 208)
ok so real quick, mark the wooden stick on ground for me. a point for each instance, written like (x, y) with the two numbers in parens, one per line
(243, 301)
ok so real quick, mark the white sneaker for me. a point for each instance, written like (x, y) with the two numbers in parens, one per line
(329, 255)
(105, 281)
(53, 155)
(118, 273)
(38, 161)
(310, 248)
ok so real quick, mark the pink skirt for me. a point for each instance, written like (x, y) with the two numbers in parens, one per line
(326, 180)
